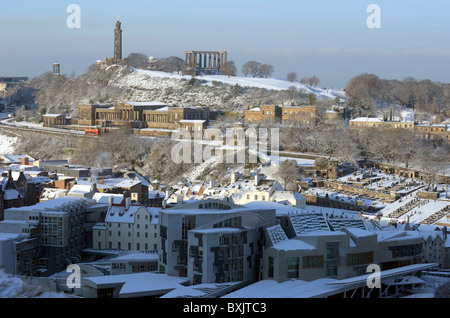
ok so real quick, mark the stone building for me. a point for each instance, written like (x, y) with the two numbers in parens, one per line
(299, 115)
(56, 68)
(143, 115)
(87, 114)
(54, 120)
(423, 131)
(129, 227)
(436, 246)
(118, 58)
(288, 115)
(205, 62)
(433, 132)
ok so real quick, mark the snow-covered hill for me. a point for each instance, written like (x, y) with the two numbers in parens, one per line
(265, 83)
(215, 91)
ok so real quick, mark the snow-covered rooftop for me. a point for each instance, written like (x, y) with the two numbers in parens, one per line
(140, 284)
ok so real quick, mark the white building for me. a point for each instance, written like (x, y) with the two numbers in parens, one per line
(128, 227)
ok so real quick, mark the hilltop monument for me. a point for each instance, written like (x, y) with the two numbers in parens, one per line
(117, 59)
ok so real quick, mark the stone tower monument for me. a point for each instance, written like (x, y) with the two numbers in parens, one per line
(118, 41)
(117, 59)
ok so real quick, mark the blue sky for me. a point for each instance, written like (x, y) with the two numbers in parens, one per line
(327, 38)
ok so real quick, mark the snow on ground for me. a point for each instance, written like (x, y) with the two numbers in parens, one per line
(13, 287)
(332, 211)
(266, 83)
(301, 162)
(7, 144)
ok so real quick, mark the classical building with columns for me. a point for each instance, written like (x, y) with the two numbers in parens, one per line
(205, 62)
(143, 115)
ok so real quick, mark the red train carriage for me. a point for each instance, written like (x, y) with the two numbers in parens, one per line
(92, 131)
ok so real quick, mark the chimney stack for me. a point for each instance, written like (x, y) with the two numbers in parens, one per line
(258, 177)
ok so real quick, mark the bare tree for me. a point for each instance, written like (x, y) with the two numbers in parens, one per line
(252, 68)
(289, 174)
(170, 64)
(137, 60)
(304, 80)
(364, 90)
(230, 68)
(266, 70)
(315, 81)
(292, 77)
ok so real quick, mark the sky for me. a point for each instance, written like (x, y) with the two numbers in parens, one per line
(327, 38)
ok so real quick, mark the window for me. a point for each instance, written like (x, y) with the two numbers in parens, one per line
(271, 266)
(293, 267)
(313, 261)
(188, 223)
(360, 258)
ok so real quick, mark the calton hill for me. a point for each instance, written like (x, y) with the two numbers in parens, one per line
(230, 96)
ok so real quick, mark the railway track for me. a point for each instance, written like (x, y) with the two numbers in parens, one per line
(55, 131)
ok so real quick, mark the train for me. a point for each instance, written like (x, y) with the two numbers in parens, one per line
(93, 131)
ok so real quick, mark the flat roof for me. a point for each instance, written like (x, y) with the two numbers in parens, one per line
(139, 284)
(319, 288)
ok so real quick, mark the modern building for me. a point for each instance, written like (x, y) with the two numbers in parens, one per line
(212, 241)
(135, 262)
(313, 247)
(54, 235)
